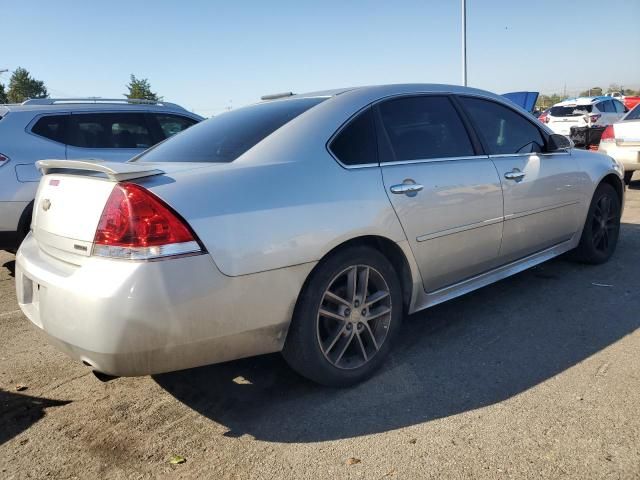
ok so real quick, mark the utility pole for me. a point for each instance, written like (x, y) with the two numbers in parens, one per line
(464, 43)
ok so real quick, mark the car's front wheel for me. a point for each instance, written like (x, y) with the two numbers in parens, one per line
(346, 318)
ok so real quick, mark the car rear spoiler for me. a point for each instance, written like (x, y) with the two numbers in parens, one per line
(114, 171)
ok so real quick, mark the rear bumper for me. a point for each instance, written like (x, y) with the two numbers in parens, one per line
(628, 156)
(130, 318)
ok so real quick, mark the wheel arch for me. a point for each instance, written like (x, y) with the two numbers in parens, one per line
(613, 180)
(390, 249)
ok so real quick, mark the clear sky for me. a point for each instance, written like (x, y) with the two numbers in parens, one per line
(209, 55)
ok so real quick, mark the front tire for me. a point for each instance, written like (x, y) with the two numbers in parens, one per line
(602, 227)
(345, 319)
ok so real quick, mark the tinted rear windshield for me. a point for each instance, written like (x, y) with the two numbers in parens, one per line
(570, 111)
(634, 114)
(224, 138)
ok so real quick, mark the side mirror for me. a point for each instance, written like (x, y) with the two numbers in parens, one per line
(558, 143)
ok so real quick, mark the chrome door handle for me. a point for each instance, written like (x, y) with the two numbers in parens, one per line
(514, 174)
(406, 188)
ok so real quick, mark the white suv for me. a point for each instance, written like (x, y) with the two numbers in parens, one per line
(99, 129)
(584, 112)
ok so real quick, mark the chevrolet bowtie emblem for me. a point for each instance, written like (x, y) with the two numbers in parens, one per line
(46, 204)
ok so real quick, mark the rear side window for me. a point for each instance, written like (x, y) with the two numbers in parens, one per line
(227, 136)
(51, 127)
(109, 130)
(606, 107)
(424, 127)
(356, 143)
(172, 124)
(570, 110)
(618, 106)
(503, 130)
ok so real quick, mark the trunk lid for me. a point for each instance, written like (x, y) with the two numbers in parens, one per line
(70, 200)
(627, 133)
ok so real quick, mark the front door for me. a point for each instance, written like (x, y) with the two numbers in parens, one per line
(541, 190)
(447, 196)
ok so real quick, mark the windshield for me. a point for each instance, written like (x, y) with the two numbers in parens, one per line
(634, 114)
(570, 110)
(224, 138)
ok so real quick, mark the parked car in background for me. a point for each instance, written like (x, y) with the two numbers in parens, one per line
(544, 115)
(309, 224)
(622, 142)
(584, 112)
(629, 101)
(100, 129)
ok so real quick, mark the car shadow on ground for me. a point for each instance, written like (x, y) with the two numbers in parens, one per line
(11, 267)
(471, 352)
(19, 412)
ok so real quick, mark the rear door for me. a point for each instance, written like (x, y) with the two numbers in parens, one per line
(541, 190)
(445, 192)
(108, 136)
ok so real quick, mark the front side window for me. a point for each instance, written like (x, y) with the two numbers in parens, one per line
(172, 124)
(225, 137)
(503, 130)
(51, 127)
(109, 130)
(424, 127)
(356, 143)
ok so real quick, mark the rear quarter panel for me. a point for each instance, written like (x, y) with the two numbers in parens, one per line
(253, 218)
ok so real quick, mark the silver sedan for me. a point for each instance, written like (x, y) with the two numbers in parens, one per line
(307, 224)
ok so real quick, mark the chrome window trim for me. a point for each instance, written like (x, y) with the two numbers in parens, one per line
(511, 155)
(501, 101)
(434, 160)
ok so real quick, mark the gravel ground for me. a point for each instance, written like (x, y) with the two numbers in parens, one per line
(537, 376)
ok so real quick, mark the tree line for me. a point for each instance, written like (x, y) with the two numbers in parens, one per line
(22, 86)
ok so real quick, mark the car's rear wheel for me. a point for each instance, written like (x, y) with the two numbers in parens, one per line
(602, 227)
(346, 318)
(628, 175)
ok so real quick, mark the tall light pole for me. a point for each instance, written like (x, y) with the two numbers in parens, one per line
(464, 42)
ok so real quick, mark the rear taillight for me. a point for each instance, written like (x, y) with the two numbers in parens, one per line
(3, 159)
(608, 135)
(137, 225)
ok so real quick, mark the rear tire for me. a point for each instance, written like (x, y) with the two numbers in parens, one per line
(602, 227)
(24, 225)
(628, 175)
(345, 319)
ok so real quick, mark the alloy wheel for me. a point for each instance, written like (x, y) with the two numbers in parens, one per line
(354, 317)
(605, 223)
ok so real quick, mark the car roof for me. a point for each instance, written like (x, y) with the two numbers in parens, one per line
(391, 89)
(581, 101)
(93, 104)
